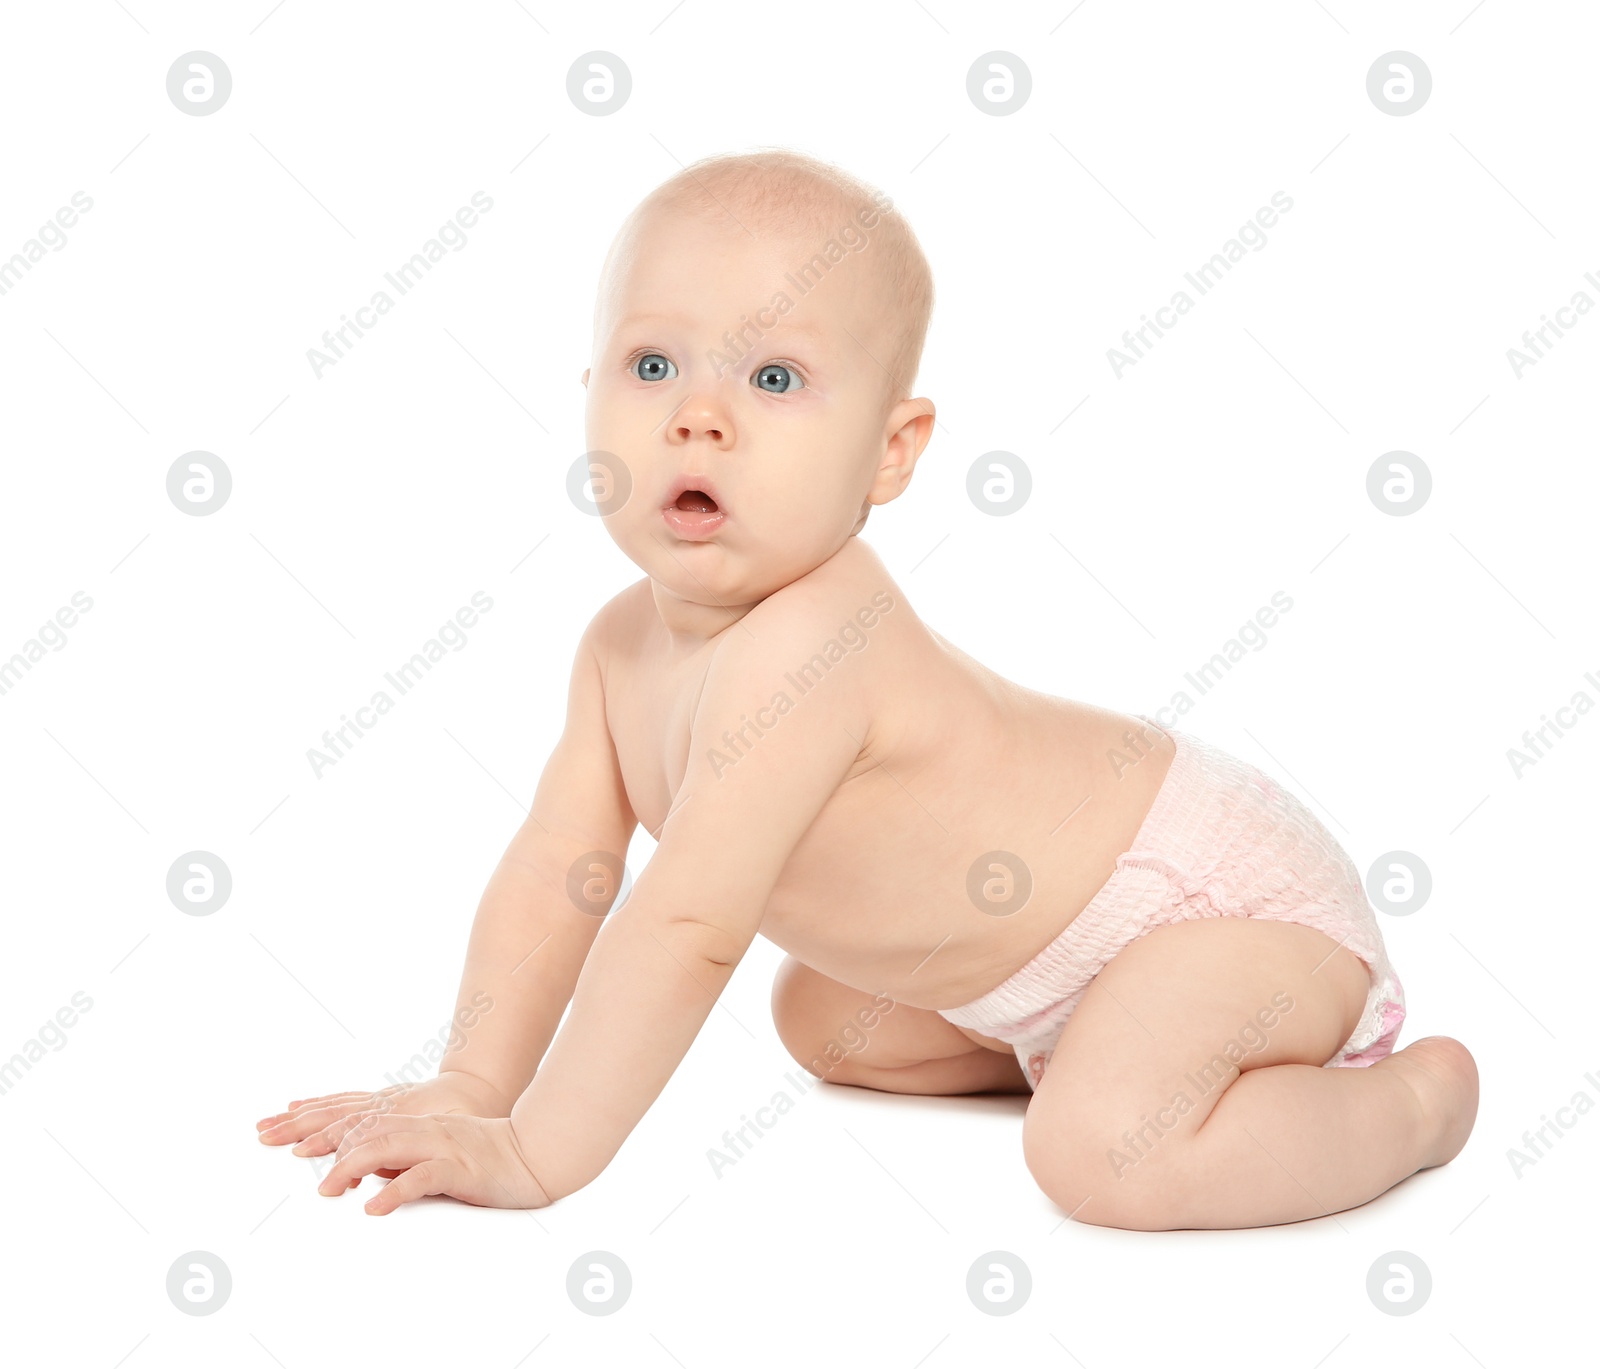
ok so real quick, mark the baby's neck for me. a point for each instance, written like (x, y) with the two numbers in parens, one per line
(692, 624)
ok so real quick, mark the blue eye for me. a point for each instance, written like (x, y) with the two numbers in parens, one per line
(776, 379)
(656, 367)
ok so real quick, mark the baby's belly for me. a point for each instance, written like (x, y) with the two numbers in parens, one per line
(933, 888)
(921, 949)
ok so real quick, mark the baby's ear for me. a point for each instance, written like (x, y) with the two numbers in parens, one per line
(585, 377)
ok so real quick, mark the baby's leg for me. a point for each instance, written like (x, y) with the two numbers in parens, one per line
(905, 1050)
(1145, 1120)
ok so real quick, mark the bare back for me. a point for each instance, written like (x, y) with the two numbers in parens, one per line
(957, 763)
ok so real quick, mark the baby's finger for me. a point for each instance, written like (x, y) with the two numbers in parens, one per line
(330, 1136)
(297, 1127)
(397, 1150)
(431, 1176)
(325, 1100)
(384, 1092)
(379, 1174)
(368, 1126)
(309, 1121)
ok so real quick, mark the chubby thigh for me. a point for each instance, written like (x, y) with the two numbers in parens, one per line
(1174, 1019)
(847, 1036)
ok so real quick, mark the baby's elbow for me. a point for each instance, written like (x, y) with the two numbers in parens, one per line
(707, 941)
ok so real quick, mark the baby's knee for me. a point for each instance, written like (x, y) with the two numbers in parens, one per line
(1095, 1194)
(1103, 1178)
(807, 1010)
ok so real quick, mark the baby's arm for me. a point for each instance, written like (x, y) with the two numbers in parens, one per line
(665, 956)
(529, 937)
(661, 960)
(540, 912)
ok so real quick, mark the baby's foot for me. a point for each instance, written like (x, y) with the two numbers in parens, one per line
(1444, 1076)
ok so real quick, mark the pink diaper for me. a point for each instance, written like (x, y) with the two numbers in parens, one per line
(1222, 839)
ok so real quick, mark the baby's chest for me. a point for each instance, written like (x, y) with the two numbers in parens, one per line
(651, 718)
(651, 729)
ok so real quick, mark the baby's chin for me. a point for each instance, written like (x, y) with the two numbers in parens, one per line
(732, 572)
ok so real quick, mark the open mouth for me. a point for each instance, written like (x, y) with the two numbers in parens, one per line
(694, 515)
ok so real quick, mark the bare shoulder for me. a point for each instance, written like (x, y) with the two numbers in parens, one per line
(844, 601)
(803, 652)
(620, 624)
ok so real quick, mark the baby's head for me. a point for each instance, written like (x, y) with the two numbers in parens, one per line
(758, 327)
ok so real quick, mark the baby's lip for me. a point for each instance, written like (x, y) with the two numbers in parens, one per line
(691, 481)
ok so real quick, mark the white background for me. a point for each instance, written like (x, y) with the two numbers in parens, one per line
(429, 463)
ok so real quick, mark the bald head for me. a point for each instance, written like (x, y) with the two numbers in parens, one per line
(827, 222)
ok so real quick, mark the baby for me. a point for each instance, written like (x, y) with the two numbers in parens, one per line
(992, 888)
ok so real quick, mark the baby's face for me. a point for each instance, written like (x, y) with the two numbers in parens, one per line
(778, 405)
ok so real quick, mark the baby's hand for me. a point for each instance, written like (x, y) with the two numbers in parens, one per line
(475, 1159)
(319, 1124)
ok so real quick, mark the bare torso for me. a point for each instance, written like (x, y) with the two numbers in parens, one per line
(958, 762)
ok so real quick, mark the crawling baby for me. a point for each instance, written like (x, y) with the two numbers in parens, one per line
(1008, 891)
